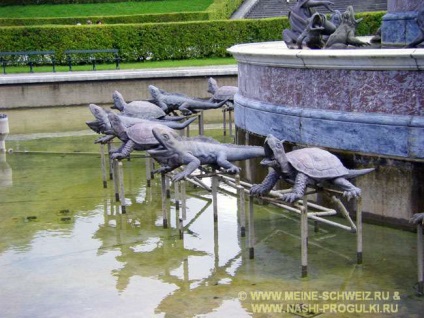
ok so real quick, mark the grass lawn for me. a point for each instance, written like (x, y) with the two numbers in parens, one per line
(124, 66)
(104, 9)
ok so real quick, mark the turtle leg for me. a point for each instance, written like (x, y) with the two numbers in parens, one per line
(125, 151)
(349, 190)
(298, 189)
(267, 184)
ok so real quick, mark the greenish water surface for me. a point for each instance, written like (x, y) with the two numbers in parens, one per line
(66, 250)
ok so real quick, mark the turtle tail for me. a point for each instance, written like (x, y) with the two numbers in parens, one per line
(359, 172)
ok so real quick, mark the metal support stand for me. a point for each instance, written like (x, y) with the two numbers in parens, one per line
(201, 124)
(149, 171)
(420, 259)
(230, 122)
(241, 203)
(168, 186)
(177, 195)
(304, 236)
(103, 164)
(164, 207)
(215, 197)
(224, 121)
(114, 177)
(359, 231)
(110, 162)
(121, 187)
(251, 230)
(183, 200)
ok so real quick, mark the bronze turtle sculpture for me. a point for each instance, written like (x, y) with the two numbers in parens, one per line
(303, 167)
(103, 125)
(221, 93)
(141, 109)
(136, 137)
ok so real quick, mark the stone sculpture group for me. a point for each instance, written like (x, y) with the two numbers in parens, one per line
(150, 125)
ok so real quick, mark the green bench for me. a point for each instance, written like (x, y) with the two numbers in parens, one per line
(30, 58)
(93, 56)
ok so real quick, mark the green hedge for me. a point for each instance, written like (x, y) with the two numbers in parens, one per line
(122, 19)
(166, 41)
(157, 41)
(34, 2)
(370, 23)
(222, 9)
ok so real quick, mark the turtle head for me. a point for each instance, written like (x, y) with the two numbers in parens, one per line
(95, 126)
(212, 85)
(275, 155)
(117, 126)
(101, 124)
(118, 101)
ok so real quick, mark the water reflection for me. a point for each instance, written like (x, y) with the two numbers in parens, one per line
(66, 251)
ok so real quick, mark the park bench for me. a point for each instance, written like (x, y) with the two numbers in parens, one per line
(93, 57)
(30, 58)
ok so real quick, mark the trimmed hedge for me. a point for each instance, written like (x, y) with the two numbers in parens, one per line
(165, 41)
(122, 19)
(157, 41)
(35, 2)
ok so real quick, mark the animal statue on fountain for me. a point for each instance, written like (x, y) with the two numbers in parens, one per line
(420, 38)
(345, 32)
(221, 93)
(194, 153)
(139, 109)
(312, 35)
(102, 124)
(298, 18)
(170, 102)
(136, 137)
(303, 167)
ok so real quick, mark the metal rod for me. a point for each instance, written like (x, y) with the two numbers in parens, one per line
(183, 200)
(167, 184)
(121, 187)
(103, 164)
(215, 197)
(304, 236)
(110, 161)
(201, 123)
(359, 230)
(251, 229)
(115, 179)
(344, 211)
(224, 121)
(420, 259)
(164, 207)
(148, 172)
(242, 207)
(230, 123)
(177, 195)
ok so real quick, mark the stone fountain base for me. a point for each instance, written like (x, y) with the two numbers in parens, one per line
(363, 104)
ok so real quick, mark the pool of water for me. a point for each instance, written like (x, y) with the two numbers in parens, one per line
(67, 251)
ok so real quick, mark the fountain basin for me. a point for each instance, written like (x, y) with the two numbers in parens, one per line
(365, 105)
(367, 101)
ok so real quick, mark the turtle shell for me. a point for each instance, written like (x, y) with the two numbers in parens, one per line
(225, 92)
(141, 133)
(317, 163)
(143, 109)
